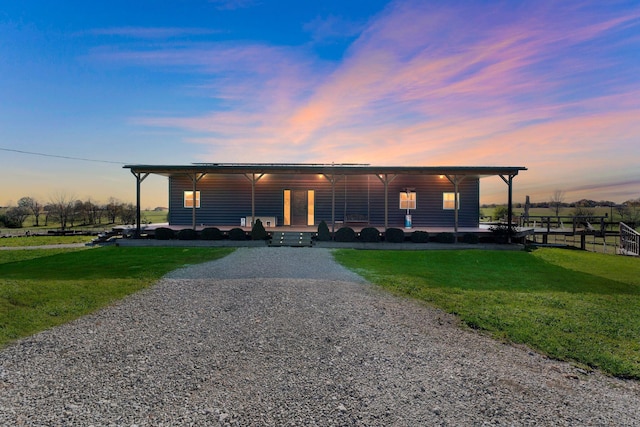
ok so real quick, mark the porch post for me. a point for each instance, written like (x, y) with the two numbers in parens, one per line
(195, 178)
(139, 178)
(509, 182)
(253, 180)
(386, 181)
(332, 180)
(455, 180)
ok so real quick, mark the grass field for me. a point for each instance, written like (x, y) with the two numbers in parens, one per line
(572, 305)
(43, 288)
(147, 216)
(43, 240)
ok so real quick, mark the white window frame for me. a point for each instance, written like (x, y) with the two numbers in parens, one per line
(187, 199)
(408, 200)
(447, 201)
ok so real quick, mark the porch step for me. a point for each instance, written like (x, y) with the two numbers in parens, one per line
(291, 238)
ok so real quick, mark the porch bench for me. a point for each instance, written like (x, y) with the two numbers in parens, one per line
(356, 218)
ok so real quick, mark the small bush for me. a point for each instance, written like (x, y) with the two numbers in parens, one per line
(502, 232)
(420, 236)
(369, 235)
(470, 238)
(394, 235)
(258, 232)
(164, 233)
(345, 234)
(187, 234)
(323, 232)
(445, 238)
(211, 233)
(237, 234)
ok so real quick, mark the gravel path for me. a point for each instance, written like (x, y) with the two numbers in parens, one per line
(256, 339)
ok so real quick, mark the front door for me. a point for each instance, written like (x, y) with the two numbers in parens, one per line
(299, 204)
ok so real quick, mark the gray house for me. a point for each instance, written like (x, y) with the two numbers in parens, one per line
(306, 194)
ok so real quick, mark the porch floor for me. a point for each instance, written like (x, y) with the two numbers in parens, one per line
(301, 228)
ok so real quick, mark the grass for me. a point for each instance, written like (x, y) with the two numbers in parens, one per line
(43, 240)
(571, 305)
(43, 288)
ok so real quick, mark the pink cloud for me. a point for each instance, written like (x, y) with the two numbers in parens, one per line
(424, 84)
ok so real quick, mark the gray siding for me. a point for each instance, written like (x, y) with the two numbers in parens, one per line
(225, 198)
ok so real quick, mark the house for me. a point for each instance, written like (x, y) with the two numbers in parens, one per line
(232, 194)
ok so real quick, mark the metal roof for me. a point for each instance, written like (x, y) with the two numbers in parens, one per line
(327, 169)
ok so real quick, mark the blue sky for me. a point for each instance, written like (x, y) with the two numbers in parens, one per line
(549, 85)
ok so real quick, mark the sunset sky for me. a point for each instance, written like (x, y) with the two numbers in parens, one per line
(86, 87)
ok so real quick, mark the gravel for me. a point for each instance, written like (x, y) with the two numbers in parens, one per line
(286, 337)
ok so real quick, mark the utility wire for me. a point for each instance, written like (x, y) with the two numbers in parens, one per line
(60, 157)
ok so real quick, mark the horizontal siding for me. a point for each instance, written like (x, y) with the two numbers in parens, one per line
(226, 198)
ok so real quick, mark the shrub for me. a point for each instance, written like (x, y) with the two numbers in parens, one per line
(211, 233)
(164, 233)
(323, 232)
(394, 235)
(258, 232)
(369, 235)
(345, 234)
(187, 234)
(237, 234)
(420, 236)
(470, 238)
(445, 238)
(502, 232)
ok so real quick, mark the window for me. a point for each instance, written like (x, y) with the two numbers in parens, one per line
(188, 199)
(447, 201)
(407, 200)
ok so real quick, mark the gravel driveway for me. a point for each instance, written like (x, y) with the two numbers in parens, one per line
(286, 337)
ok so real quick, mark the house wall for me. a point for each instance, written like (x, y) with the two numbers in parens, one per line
(225, 198)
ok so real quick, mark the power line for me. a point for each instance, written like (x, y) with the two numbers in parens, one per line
(60, 157)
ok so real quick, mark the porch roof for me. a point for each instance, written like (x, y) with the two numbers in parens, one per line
(326, 169)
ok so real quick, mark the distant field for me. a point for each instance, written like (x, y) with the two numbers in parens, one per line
(149, 216)
(601, 211)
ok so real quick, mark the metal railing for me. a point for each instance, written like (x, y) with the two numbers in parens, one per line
(629, 240)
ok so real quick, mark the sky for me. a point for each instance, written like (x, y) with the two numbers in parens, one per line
(87, 87)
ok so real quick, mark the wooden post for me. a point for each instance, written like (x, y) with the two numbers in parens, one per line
(456, 180)
(509, 182)
(195, 178)
(253, 179)
(386, 180)
(332, 179)
(139, 178)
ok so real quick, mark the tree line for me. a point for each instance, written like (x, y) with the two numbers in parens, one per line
(67, 211)
(628, 211)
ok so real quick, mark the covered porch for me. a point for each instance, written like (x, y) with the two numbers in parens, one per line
(390, 181)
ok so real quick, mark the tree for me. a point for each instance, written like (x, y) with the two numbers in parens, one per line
(33, 206)
(557, 200)
(112, 208)
(500, 212)
(15, 216)
(629, 211)
(62, 208)
(128, 213)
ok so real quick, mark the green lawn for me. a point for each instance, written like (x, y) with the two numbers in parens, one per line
(43, 240)
(572, 305)
(44, 288)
